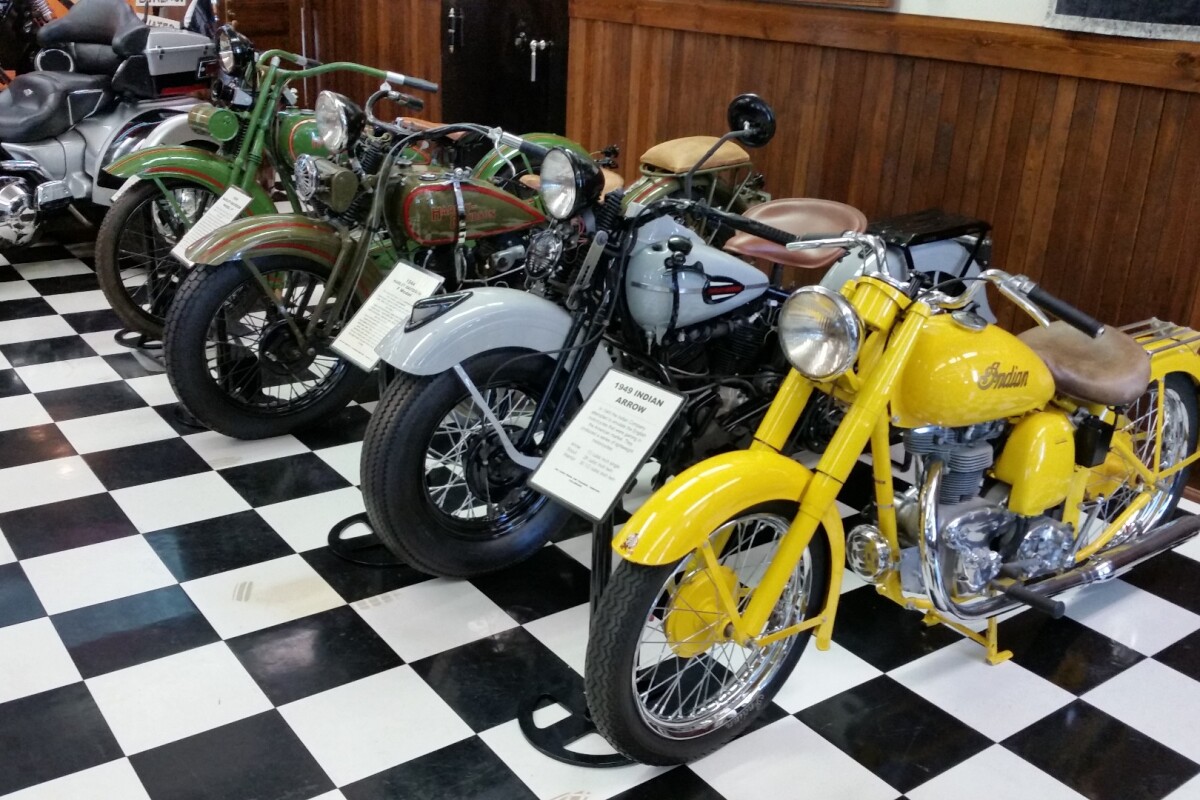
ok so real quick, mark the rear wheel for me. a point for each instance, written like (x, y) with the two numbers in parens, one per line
(665, 683)
(134, 265)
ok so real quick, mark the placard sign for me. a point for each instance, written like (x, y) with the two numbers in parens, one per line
(388, 307)
(593, 461)
(223, 212)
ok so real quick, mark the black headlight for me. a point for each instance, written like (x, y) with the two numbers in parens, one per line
(234, 52)
(569, 183)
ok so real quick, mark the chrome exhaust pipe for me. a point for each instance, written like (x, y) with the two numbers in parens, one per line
(1102, 567)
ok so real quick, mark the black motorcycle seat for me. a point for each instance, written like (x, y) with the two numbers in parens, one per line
(110, 22)
(42, 105)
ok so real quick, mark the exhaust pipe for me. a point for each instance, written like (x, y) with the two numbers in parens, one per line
(1097, 569)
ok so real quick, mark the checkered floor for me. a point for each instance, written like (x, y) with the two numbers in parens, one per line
(173, 625)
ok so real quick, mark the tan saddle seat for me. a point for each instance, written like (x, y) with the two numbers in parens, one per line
(678, 155)
(427, 125)
(1113, 370)
(798, 216)
(612, 181)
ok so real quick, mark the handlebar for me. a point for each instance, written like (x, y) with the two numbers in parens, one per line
(1065, 311)
(311, 66)
(400, 98)
(525, 148)
(1031, 298)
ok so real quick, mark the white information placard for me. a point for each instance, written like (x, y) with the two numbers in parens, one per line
(388, 306)
(593, 461)
(223, 212)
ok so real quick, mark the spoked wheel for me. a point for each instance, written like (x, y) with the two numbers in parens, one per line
(666, 683)
(243, 362)
(134, 265)
(440, 489)
(1113, 485)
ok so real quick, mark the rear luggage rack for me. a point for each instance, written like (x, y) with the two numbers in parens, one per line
(1162, 335)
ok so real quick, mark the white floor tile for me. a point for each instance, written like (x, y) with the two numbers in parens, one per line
(4, 362)
(548, 778)
(1001, 772)
(304, 523)
(67, 374)
(344, 459)
(1189, 791)
(565, 634)
(1190, 506)
(996, 700)
(178, 501)
(75, 302)
(251, 598)
(580, 549)
(46, 482)
(1133, 617)
(402, 617)
(1157, 701)
(33, 659)
(31, 328)
(778, 758)
(222, 452)
(21, 411)
(820, 675)
(154, 389)
(370, 407)
(181, 695)
(1190, 548)
(118, 429)
(83, 576)
(374, 723)
(6, 554)
(58, 268)
(116, 779)
(17, 290)
(103, 343)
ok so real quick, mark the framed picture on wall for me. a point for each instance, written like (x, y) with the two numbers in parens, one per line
(1145, 19)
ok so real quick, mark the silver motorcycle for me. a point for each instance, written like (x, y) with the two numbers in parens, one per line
(118, 85)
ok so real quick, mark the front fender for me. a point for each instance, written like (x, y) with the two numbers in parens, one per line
(189, 163)
(492, 318)
(269, 235)
(648, 188)
(680, 516)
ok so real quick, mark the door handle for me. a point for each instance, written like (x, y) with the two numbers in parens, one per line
(534, 46)
(454, 30)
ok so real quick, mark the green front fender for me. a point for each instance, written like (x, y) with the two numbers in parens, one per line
(269, 235)
(209, 170)
(491, 164)
(646, 189)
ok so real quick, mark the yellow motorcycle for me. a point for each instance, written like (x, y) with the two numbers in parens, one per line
(1044, 462)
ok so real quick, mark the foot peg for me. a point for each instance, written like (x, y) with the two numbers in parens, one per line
(1038, 602)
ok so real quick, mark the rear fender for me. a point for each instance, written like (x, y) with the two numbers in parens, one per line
(491, 318)
(207, 169)
(269, 235)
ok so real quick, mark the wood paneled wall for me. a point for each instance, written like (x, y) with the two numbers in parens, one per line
(1082, 151)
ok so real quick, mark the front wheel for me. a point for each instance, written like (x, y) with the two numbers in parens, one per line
(665, 683)
(233, 355)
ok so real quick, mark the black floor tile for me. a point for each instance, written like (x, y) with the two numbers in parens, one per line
(8, 273)
(37, 443)
(258, 758)
(145, 463)
(128, 365)
(48, 735)
(466, 770)
(83, 282)
(312, 654)
(1183, 656)
(895, 733)
(283, 479)
(133, 630)
(356, 582)
(87, 401)
(1065, 652)
(1172, 577)
(62, 348)
(1101, 757)
(11, 384)
(215, 545)
(24, 309)
(94, 321)
(549, 582)
(678, 784)
(18, 601)
(36, 254)
(884, 634)
(859, 489)
(344, 427)
(53, 527)
(486, 681)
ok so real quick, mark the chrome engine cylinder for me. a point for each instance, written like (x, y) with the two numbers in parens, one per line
(18, 212)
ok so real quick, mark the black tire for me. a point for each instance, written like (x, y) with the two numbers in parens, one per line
(249, 413)
(614, 642)
(142, 308)
(396, 482)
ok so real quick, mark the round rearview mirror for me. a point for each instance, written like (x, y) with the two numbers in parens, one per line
(754, 118)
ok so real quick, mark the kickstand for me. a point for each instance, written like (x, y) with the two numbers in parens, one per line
(364, 549)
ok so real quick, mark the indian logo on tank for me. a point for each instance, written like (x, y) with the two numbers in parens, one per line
(993, 378)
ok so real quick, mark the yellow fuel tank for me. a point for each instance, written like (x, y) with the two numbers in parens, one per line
(961, 374)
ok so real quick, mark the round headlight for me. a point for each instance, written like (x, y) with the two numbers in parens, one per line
(569, 182)
(225, 51)
(819, 331)
(339, 121)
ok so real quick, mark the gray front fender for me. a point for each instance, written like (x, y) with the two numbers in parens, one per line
(490, 319)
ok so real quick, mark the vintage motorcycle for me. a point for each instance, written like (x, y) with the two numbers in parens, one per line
(1044, 462)
(19, 24)
(489, 377)
(128, 88)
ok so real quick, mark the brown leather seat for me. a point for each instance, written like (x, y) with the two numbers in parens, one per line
(1113, 370)
(678, 155)
(426, 125)
(612, 181)
(798, 216)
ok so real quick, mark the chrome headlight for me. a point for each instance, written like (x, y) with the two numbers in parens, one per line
(820, 332)
(339, 121)
(225, 51)
(569, 182)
